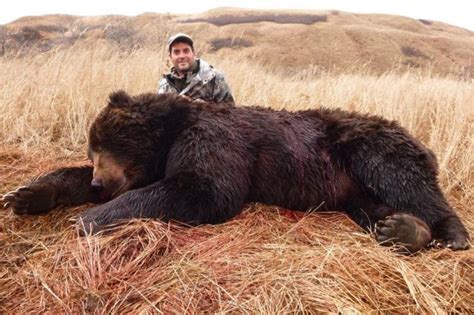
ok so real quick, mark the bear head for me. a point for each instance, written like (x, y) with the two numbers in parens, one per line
(130, 139)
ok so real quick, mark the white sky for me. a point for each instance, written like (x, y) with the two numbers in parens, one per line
(456, 12)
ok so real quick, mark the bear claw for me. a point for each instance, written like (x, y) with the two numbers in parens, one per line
(17, 200)
(32, 199)
(458, 244)
(88, 226)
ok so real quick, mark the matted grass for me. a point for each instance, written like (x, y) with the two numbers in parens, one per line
(267, 260)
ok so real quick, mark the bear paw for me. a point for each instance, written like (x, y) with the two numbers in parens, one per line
(404, 230)
(31, 199)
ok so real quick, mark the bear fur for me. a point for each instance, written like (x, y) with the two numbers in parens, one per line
(167, 157)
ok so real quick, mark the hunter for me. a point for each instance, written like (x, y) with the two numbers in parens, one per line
(191, 76)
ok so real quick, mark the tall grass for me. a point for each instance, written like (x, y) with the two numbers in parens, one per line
(49, 100)
(265, 261)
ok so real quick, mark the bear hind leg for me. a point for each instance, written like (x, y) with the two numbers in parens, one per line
(412, 230)
(403, 176)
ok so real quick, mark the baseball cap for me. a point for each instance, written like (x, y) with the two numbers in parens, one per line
(182, 37)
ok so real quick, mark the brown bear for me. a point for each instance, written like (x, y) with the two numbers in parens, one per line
(167, 157)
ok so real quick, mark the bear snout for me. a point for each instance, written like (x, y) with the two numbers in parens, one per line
(97, 184)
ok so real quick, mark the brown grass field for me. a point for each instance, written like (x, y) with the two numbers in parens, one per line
(267, 260)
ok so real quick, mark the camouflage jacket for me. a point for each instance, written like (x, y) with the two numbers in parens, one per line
(206, 84)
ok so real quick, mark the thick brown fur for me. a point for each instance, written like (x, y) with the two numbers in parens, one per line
(199, 163)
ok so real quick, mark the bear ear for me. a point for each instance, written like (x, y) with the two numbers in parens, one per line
(119, 99)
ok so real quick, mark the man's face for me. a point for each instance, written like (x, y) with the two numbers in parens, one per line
(182, 56)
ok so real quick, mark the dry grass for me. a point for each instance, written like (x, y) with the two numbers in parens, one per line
(267, 260)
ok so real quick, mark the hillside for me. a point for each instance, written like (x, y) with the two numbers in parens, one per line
(284, 41)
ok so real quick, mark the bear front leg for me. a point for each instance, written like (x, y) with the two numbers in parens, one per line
(185, 198)
(63, 187)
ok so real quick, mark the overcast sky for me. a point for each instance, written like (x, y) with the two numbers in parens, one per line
(456, 12)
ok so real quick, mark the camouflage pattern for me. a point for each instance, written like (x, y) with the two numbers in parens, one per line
(207, 84)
